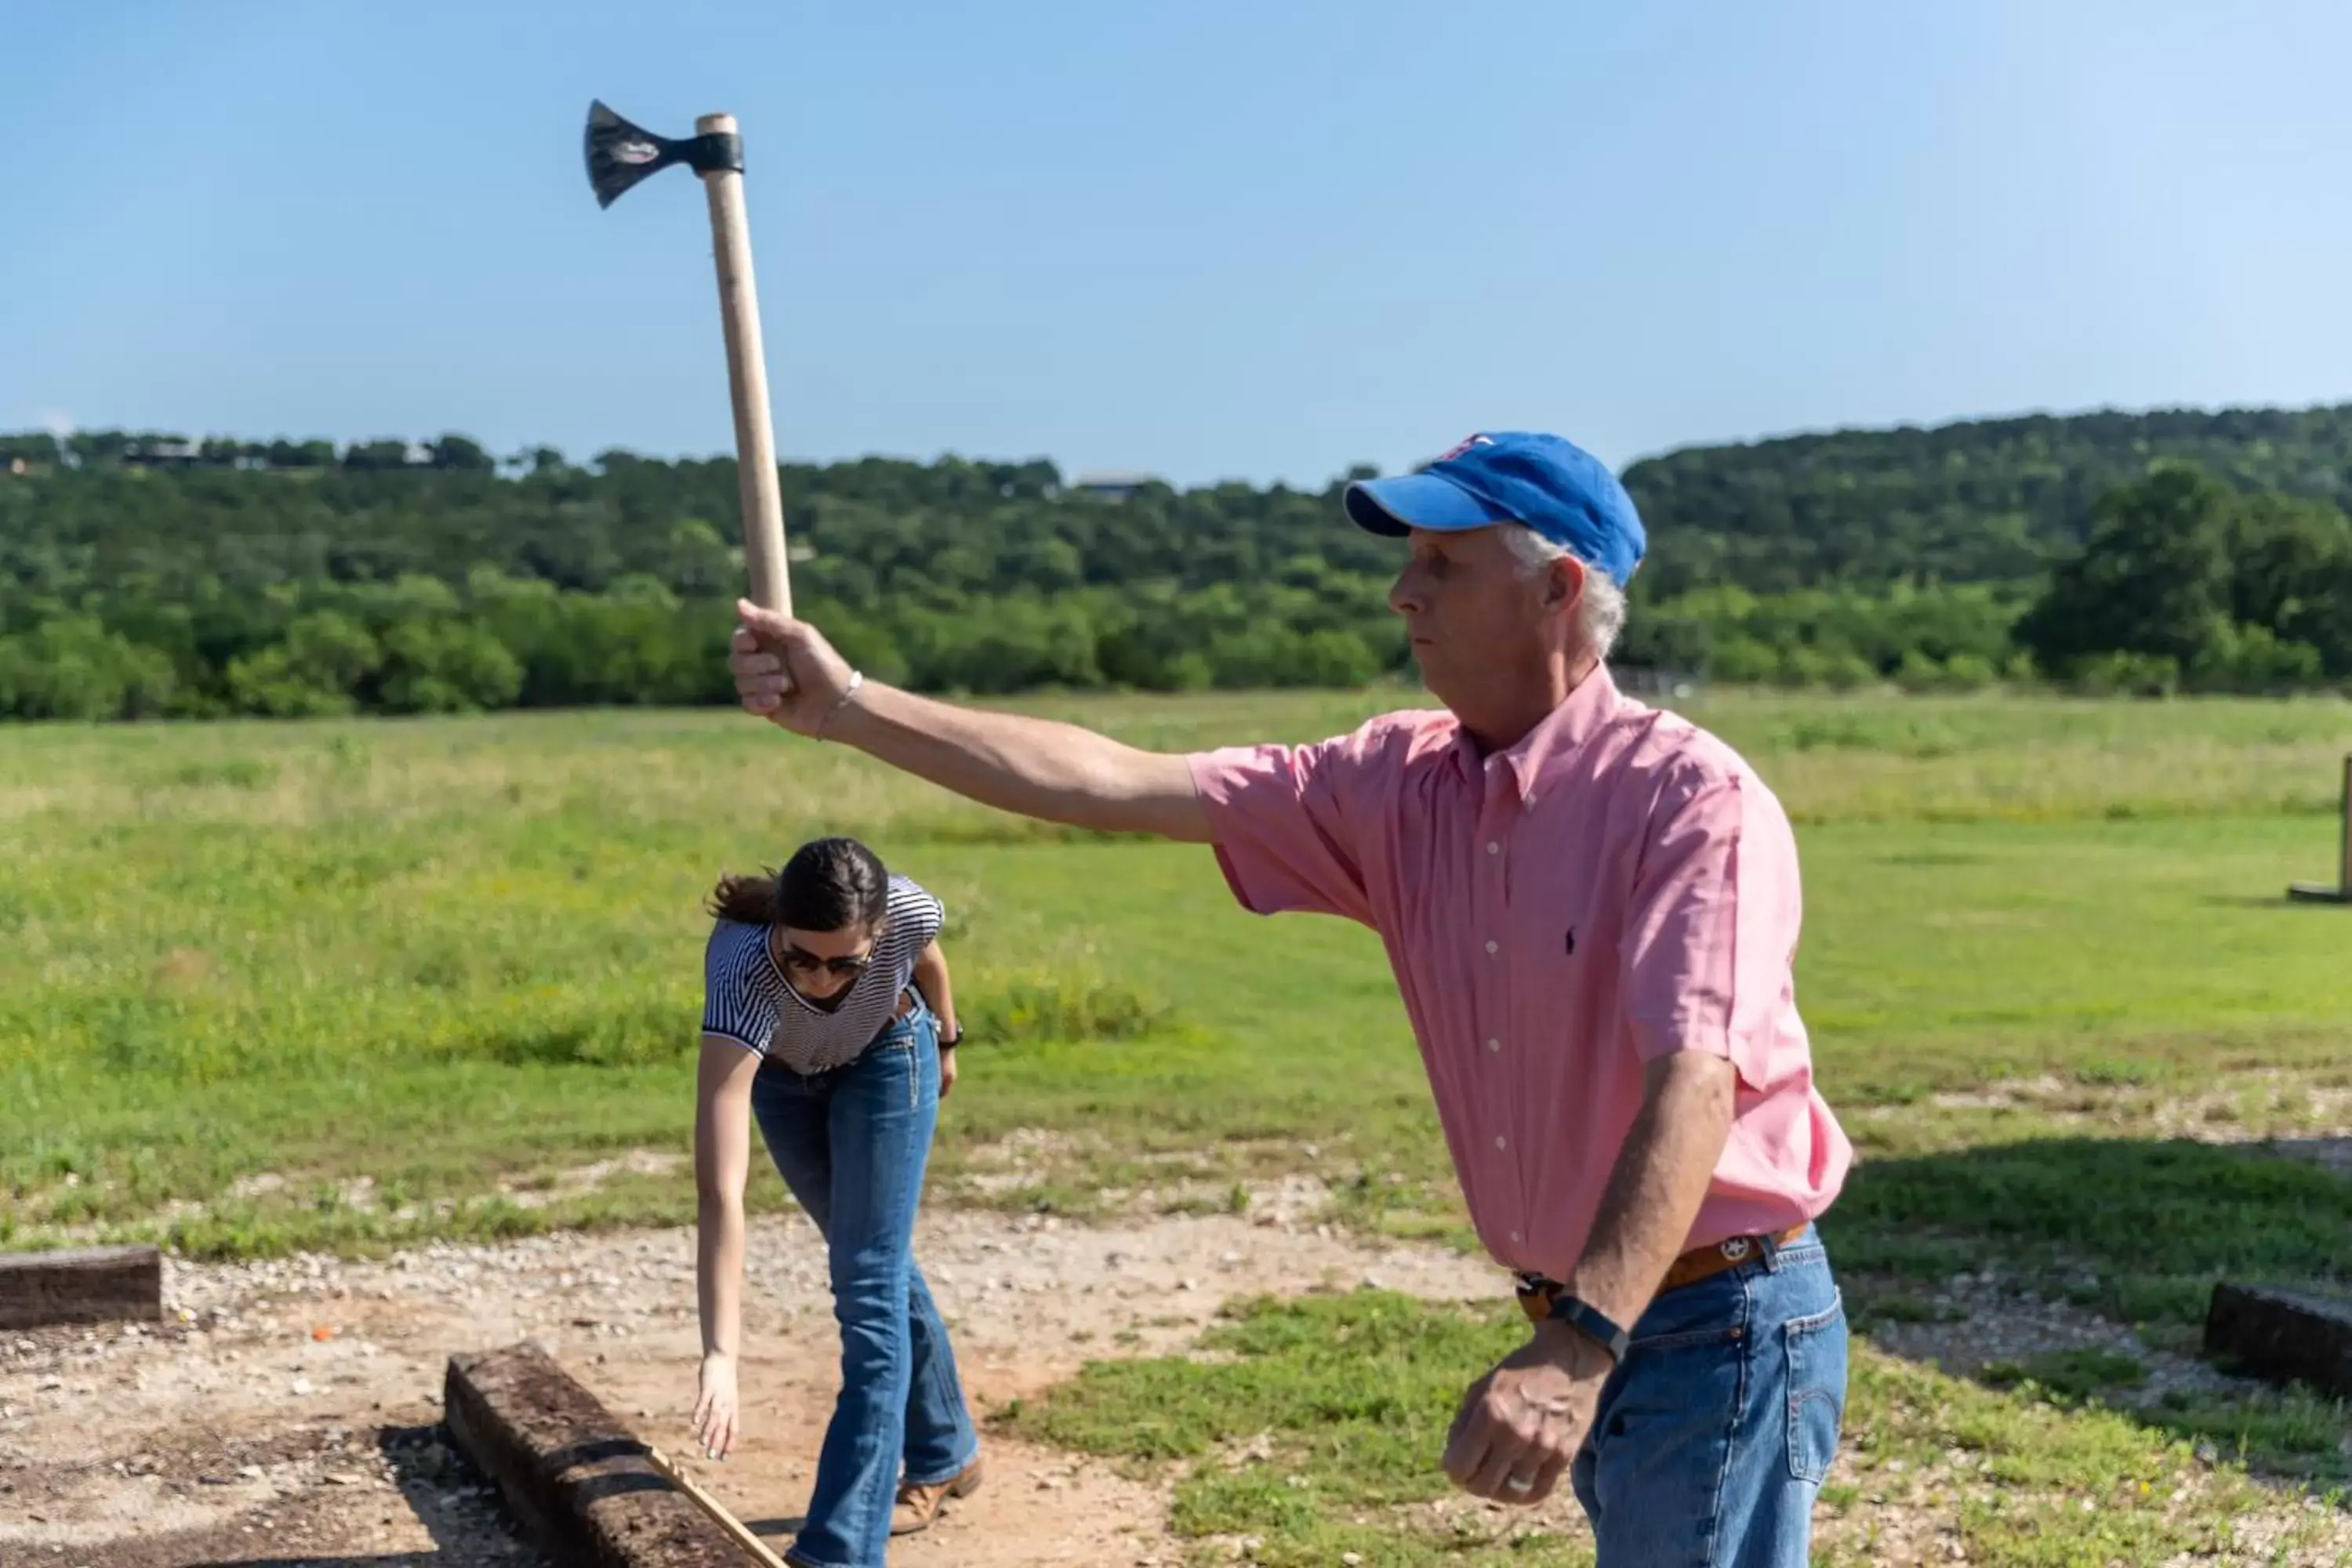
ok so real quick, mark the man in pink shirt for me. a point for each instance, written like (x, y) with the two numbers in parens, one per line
(1592, 907)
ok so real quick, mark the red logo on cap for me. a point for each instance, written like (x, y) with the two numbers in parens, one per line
(1452, 452)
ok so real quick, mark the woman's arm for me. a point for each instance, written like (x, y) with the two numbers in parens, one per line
(932, 979)
(722, 1163)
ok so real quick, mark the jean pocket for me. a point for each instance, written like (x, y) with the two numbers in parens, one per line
(1712, 1312)
(1817, 1373)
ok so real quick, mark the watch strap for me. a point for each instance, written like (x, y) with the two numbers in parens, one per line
(1591, 1320)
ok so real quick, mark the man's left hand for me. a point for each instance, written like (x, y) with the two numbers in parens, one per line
(1521, 1425)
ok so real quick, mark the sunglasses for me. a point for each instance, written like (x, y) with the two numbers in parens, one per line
(807, 962)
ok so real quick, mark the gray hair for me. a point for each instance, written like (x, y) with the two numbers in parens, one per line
(1600, 613)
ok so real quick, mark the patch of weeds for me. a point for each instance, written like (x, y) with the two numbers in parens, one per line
(2114, 1072)
(997, 830)
(1405, 1204)
(2073, 1374)
(2090, 1214)
(235, 1229)
(524, 1029)
(1198, 1203)
(1070, 1200)
(1317, 1423)
(632, 1201)
(1894, 1307)
(229, 772)
(2175, 1299)
(2287, 1432)
(1046, 1006)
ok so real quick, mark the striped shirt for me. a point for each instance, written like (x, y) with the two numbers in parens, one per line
(746, 1000)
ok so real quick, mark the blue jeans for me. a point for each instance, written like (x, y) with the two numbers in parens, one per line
(1711, 1440)
(851, 1144)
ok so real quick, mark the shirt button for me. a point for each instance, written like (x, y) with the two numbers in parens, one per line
(1498, 1141)
(1494, 1044)
(1516, 1237)
(1493, 848)
(1491, 947)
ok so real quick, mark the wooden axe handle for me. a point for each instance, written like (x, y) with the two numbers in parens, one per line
(746, 378)
(736, 1530)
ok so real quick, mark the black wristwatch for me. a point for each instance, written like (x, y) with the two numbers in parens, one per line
(949, 1045)
(1592, 1321)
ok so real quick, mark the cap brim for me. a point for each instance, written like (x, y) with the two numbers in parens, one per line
(1395, 507)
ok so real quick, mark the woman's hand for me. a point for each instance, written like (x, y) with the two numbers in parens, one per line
(717, 1412)
(947, 1069)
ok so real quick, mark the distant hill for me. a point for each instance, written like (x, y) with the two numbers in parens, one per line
(1991, 500)
(1986, 501)
(152, 572)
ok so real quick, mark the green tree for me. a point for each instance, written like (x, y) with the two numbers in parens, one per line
(2155, 578)
(319, 669)
(462, 454)
(447, 667)
(75, 668)
(377, 455)
(2288, 558)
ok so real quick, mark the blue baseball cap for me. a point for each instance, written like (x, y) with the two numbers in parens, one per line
(1552, 486)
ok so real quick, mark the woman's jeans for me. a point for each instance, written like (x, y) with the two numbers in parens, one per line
(852, 1143)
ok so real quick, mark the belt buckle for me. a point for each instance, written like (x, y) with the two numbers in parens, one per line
(1734, 1247)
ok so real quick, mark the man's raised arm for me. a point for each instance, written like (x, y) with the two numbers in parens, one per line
(787, 673)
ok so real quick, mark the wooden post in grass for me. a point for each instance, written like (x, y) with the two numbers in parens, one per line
(2319, 893)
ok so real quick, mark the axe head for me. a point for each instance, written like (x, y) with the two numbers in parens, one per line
(621, 154)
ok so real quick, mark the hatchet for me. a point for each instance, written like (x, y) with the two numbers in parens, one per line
(619, 155)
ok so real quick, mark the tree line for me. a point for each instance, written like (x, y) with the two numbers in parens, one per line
(147, 574)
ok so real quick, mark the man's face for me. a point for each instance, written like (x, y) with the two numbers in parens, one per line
(1472, 610)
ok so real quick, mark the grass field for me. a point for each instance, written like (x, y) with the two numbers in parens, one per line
(340, 985)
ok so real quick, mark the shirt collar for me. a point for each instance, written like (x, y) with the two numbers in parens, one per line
(1563, 731)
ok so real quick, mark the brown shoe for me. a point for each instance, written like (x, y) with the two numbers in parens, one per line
(919, 1506)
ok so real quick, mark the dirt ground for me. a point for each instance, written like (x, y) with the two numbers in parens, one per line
(285, 1413)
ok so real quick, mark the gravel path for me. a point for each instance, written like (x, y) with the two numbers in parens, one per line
(286, 1411)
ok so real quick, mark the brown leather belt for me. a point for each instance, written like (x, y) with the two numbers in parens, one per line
(1699, 1263)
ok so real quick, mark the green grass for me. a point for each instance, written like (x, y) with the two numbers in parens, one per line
(1313, 1425)
(350, 984)
(2070, 1374)
(2136, 1228)
(460, 955)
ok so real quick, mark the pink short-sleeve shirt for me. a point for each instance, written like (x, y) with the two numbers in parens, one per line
(1617, 886)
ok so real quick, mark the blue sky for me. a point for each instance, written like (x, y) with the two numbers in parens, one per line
(1210, 240)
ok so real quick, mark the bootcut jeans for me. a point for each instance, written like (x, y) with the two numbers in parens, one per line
(852, 1143)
